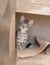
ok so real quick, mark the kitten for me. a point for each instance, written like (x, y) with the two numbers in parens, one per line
(22, 38)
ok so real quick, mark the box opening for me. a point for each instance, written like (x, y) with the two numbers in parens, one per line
(41, 26)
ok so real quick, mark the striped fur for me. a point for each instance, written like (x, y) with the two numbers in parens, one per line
(22, 34)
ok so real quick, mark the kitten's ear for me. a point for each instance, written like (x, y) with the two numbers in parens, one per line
(22, 19)
(31, 22)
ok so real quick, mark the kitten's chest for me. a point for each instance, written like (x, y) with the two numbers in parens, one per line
(23, 34)
(24, 31)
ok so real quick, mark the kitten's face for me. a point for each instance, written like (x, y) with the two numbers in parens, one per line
(24, 23)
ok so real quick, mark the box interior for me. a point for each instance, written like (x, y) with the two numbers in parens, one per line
(41, 26)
